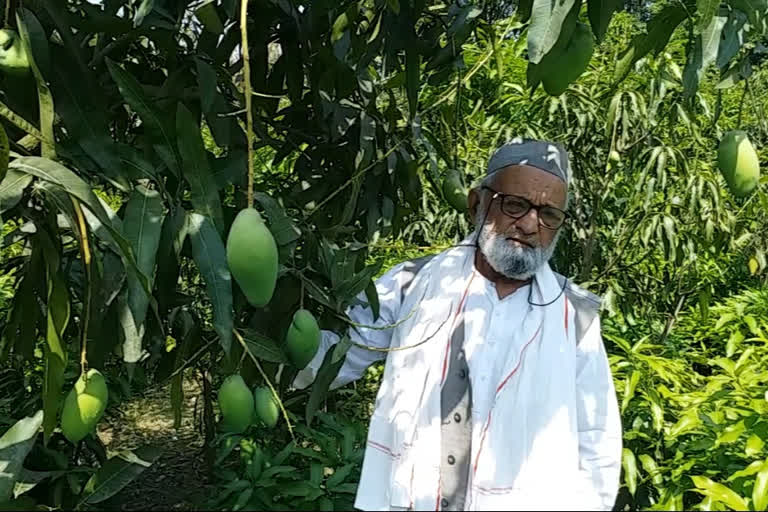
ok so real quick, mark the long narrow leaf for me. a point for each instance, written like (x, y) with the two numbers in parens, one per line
(57, 320)
(205, 195)
(57, 174)
(14, 447)
(118, 472)
(142, 226)
(210, 255)
(29, 28)
(160, 131)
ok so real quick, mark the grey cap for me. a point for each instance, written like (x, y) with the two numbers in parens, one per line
(547, 156)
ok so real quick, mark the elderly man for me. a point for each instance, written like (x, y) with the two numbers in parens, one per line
(497, 393)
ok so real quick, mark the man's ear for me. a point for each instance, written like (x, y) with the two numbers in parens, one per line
(473, 202)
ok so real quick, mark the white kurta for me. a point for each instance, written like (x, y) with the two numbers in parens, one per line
(546, 429)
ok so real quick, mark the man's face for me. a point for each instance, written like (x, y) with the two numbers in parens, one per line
(513, 247)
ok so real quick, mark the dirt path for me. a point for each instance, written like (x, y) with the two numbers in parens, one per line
(177, 480)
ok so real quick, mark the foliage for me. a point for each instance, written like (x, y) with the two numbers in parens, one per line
(319, 469)
(695, 418)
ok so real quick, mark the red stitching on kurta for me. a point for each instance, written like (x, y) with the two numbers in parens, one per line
(488, 422)
(453, 324)
(482, 440)
(383, 449)
(520, 362)
(493, 490)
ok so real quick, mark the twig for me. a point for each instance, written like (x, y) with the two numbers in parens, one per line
(248, 95)
(353, 178)
(86, 255)
(190, 361)
(406, 347)
(20, 122)
(269, 383)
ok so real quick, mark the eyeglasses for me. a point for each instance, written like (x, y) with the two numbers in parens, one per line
(517, 207)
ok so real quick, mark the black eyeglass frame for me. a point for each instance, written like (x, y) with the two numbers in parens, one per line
(537, 207)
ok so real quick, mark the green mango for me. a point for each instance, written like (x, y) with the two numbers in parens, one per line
(266, 406)
(84, 406)
(236, 404)
(453, 190)
(738, 162)
(13, 58)
(561, 68)
(252, 257)
(303, 338)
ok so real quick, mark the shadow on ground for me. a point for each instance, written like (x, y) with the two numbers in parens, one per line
(177, 480)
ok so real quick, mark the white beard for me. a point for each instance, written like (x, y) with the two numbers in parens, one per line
(512, 261)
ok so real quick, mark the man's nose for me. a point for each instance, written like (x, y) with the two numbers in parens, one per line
(529, 223)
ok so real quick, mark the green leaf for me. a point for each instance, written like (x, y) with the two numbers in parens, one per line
(750, 470)
(760, 489)
(316, 473)
(339, 26)
(629, 389)
(277, 470)
(706, 10)
(719, 492)
(159, 131)
(5, 151)
(732, 76)
(116, 473)
(242, 500)
(85, 118)
(142, 226)
(263, 347)
(600, 13)
(546, 21)
(210, 255)
(297, 489)
(57, 320)
(756, 11)
(11, 189)
(28, 480)
(172, 237)
(373, 299)
(33, 37)
(280, 225)
(754, 446)
(131, 347)
(21, 330)
(658, 32)
(59, 175)
(733, 37)
(206, 83)
(205, 194)
(15, 444)
(144, 9)
(332, 363)
(339, 476)
(731, 433)
(702, 54)
(629, 464)
(412, 72)
(650, 467)
(688, 421)
(348, 488)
